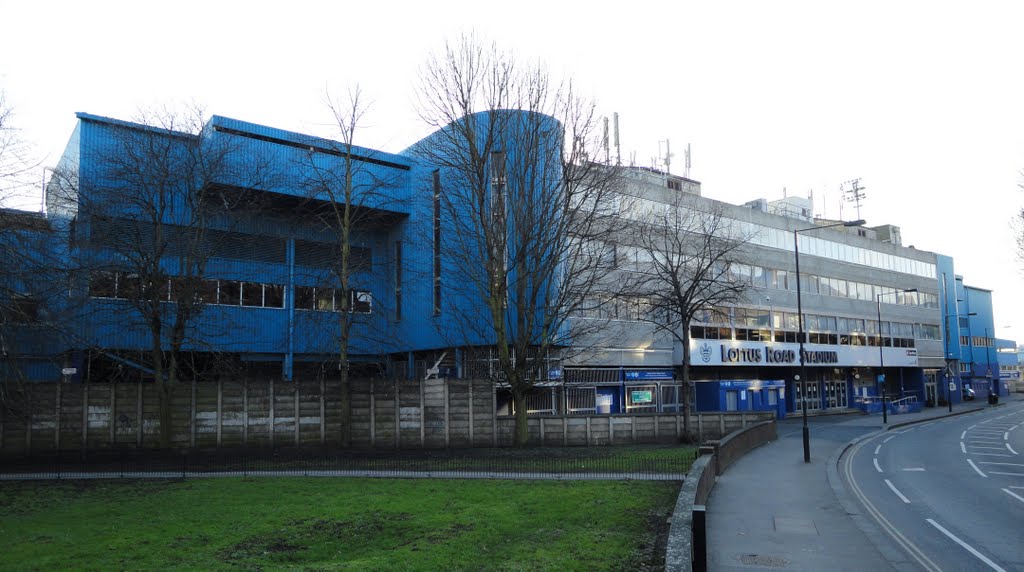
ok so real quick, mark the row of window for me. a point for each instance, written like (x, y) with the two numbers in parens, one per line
(608, 255)
(127, 285)
(786, 336)
(650, 211)
(977, 341)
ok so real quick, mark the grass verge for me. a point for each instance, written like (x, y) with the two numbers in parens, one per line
(333, 524)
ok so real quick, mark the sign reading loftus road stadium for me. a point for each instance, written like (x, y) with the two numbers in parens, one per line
(713, 352)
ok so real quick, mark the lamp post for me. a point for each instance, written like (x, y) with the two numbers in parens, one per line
(800, 328)
(881, 360)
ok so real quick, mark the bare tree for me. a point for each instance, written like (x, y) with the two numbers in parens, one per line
(351, 190)
(519, 205)
(17, 164)
(151, 202)
(691, 249)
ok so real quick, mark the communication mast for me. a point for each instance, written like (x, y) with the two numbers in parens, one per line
(853, 193)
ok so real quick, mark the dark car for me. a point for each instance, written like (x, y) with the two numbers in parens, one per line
(968, 394)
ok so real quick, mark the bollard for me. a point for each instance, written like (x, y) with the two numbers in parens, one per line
(700, 538)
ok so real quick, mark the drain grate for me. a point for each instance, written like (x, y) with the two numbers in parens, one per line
(763, 560)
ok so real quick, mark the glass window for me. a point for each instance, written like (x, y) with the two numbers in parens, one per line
(324, 299)
(252, 294)
(362, 302)
(206, 292)
(304, 297)
(103, 284)
(273, 296)
(230, 293)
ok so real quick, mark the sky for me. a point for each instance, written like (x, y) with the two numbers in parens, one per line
(921, 101)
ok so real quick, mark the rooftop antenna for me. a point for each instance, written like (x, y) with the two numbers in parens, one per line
(615, 134)
(853, 193)
(604, 141)
(667, 157)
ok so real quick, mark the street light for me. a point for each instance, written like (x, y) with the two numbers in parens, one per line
(800, 327)
(881, 360)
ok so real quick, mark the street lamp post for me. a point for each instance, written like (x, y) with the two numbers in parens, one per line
(802, 377)
(881, 360)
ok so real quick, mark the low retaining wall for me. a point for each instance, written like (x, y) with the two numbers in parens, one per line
(700, 480)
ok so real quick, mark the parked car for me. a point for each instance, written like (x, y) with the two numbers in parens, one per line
(968, 394)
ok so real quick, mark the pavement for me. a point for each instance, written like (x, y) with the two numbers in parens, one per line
(772, 511)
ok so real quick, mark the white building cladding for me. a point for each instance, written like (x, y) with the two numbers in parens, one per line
(844, 272)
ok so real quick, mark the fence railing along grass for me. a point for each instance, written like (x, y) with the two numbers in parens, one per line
(632, 462)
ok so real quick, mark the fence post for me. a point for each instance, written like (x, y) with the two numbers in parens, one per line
(192, 420)
(138, 415)
(56, 432)
(85, 417)
(472, 442)
(272, 419)
(113, 412)
(423, 414)
(296, 382)
(323, 413)
(698, 527)
(245, 411)
(447, 416)
(220, 411)
(398, 414)
(373, 416)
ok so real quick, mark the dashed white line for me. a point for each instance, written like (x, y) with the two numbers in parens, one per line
(989, 448)
(1011, 449)
(992, 454)
(975, 467)
(1007, 474)
(962, 448)
(1014, 495)
(962, 435)
(1001, 464)
(898, 493)
(877, 468)
(889, 438)
(914, 469)
(877, 449)
(968, 547)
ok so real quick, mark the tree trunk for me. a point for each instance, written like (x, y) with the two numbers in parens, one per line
(522, 433)
(686, 388)
(345, 408)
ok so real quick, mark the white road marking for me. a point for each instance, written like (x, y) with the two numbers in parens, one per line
(898, 493)
(962, 448)
(992, 454)
(971, 463)
(919, 469)
(1006, 436)
(877, 449)
(1001, 464)
(989, 448)
(1008, 474)
(980, 556)
(887, 439)
(1014, 495)
(964, 434)
(1011, 449)
(877, 468)
(972, 426)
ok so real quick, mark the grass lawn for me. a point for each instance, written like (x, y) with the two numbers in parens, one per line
(334, 524)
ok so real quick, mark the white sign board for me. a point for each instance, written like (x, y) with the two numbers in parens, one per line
(775, 354)
(69, 371)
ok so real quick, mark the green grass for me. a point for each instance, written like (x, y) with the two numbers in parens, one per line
(333, 524)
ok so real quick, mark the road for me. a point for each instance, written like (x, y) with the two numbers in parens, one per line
(950, 492)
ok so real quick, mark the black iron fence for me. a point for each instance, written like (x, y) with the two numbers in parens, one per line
(635, 462)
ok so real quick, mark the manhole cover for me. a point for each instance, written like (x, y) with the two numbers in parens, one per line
(763, 560)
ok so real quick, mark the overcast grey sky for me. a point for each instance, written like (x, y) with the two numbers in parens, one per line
(922, 101)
